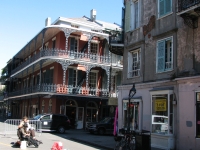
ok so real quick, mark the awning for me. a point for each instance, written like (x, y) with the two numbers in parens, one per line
(113, 101)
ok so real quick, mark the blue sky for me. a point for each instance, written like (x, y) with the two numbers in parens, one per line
(21, 20)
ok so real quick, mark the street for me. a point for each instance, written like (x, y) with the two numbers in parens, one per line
(71, 140)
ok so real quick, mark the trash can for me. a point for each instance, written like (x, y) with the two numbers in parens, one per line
(143, 140)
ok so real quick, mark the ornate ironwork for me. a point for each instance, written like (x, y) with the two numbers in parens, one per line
(60, 89)
(186, 4)
(68, 55)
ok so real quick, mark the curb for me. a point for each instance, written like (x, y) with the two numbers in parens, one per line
(92, 144)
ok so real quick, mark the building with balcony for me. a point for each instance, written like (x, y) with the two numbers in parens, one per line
(161, 44)
(67, 68)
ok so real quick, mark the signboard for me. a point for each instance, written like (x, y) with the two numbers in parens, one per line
(113, 101)
(160, 105)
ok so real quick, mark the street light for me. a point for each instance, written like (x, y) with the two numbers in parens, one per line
(132, 92)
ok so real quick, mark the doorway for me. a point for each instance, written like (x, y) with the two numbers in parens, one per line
(71, 113)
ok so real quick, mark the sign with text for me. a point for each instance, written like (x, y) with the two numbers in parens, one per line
(160, 105)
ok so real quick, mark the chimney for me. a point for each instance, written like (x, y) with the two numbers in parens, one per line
(93, 15)
(48, 21)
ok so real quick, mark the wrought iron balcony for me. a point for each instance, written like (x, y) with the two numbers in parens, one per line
(55, 89)
(69, 55)
(187, 4)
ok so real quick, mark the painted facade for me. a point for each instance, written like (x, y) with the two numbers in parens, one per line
(161, 43)
(67, 68)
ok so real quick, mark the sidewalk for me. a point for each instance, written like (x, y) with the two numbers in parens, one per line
(106, 142)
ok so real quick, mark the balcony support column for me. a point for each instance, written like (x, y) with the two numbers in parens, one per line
(64, 64)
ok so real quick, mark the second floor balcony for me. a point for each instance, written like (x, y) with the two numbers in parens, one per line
(59, 89)
(67, 55)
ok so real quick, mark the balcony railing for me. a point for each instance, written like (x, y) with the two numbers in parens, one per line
(61, 89)
(186, 4)
(71, 55)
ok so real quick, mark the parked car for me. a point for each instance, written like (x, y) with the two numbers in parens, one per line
(105, 126)
(53, 122)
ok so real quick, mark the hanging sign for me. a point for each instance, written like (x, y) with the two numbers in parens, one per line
(160, 105)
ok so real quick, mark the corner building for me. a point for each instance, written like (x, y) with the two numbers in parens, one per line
(67, 68)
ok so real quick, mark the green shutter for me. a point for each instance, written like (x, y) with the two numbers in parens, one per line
(72, 44)
(70, 76)
(79, 76)
(161, 56)
(118, 79)
(162, 7)
(127, 15)
(168, 6)
(130, 64)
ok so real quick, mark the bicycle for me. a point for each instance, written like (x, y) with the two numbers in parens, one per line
(125, 141)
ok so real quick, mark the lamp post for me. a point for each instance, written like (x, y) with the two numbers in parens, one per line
(132, 92)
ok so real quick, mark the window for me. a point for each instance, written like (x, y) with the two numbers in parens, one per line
(94, 48)
(43, 106)
(38, 79)
(132, 13)
(134, 63)
(92, 79)
(73, 44)
(164, 55)
(54, 43)
(164, 7)
(72, 77)
(50, 106)
(162, 112)
(91, 112)
(46, 46)
(198, 115)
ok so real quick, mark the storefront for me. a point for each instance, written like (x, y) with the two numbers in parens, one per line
(162, 112)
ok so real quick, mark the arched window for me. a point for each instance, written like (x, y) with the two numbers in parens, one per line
(43, 106)
(50, 106)
(70, 103)
(92, 112)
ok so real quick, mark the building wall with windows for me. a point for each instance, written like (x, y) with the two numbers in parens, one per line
(161, 44)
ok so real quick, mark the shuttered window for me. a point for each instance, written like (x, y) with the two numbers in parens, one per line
(73, 44)
(164, 55)
(127, 15)
(71, 77)
(164, 7)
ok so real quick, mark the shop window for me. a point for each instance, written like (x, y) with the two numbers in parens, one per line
(162, 113)
(198, 115)
(135, 120)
